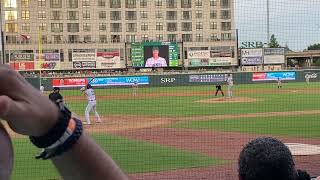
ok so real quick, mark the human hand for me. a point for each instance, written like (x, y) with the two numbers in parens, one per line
(25, 109)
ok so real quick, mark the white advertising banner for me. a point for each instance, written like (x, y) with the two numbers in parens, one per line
(274, 56)
(83, 55)
(205, 54)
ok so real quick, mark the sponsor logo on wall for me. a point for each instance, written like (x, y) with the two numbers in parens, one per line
(209, 78)
(272, 76)
(84, 64)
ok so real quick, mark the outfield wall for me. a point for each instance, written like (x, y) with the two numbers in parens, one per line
(178, 79)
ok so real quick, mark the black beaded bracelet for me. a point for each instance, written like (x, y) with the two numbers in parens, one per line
(56, 132)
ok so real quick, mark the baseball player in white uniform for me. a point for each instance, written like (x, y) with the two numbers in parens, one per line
(41, 88)
(156, 60)
(230, 85)
(92, 104)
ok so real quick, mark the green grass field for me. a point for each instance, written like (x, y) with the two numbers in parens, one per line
(140, 157)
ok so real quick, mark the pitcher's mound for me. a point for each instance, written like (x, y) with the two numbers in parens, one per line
(228, 100)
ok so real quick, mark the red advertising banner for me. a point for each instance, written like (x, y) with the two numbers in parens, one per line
(76, 82)
(22, 65)
(259, 76)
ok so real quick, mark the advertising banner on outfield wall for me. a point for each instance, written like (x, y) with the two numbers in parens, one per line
(206, 58)
(208, 78)
(74, 82)
(251, 56)
(48, 61)
(83, 55)
(21, 61)
(119, 81)
(109, 60)
(84, 65)
(274, 56)
(273, 76)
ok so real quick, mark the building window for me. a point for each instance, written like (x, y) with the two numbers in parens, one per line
(102, 26)
(43, 27)
(55, 3)
(213, 25)
(42, 15)
(103, 39)
(25, 15)
(185, 3)
(41, 3)
(172, 37)
(131, 27)
(213, 14)
(225, 14)
(214, 37)
(56, 15)
(131, 38)
(171, 3)
(115, 38)
(199, 37)
(199, 26)
(198, 3)
(186, 26)
(101, 3)
(86, 27)
(171, 15)
(73, 38)
(143, 3)
(11, 40)
(85, 3)
(186, 15)
(87, 39)
(102, 15)
(11, 15)
(73, 27)
(131, 15)
(225, 26)
(57, 39)
(56, 27)
(24, 3)
(213, 3)
(144, 26)
(25, 27)
(159, 26)
(86, 15)
(72, 4)
(131, 4)
(159, 37)
(10, 3)
(115, 15)
(158, 3)
(199, 14)
(44, 39)
(159, 15)
(225, 4)
(144, 14)
(171, 27)
(73, 15)
(144, 37)
(115, 3)
(11, 27)
(115, 27)
(187, 37)
(226, 36)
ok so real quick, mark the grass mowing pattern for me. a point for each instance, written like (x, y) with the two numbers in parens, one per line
(132, 156)
(307, 126)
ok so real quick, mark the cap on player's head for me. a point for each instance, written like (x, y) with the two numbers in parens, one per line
(89, 86)
(56, 89)
(155, 48)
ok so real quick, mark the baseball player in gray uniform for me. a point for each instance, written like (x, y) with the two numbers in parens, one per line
(230, 85)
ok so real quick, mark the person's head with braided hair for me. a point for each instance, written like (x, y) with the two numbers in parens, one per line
(266, 159)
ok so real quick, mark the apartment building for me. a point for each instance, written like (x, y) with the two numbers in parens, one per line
(63, 27)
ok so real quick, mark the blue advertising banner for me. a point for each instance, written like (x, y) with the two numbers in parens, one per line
(119, 81)
(208, 78)
(281, 75)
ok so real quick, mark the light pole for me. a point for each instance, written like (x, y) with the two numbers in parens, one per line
(268, 22)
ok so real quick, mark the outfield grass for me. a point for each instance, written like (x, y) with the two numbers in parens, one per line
(132, 156)
(307, 126)
(187, 106)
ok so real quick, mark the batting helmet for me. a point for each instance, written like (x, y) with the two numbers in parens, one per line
(89, 86)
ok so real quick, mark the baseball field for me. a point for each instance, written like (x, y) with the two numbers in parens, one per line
(186, 132)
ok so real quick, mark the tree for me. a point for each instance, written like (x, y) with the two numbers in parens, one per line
(314, 47)
(273, 42)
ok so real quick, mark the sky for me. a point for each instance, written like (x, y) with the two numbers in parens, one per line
(294, 22)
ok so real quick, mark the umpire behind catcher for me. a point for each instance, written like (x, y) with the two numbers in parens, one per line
(55, 96)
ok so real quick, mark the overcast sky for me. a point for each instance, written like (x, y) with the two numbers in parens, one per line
(294, 22)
